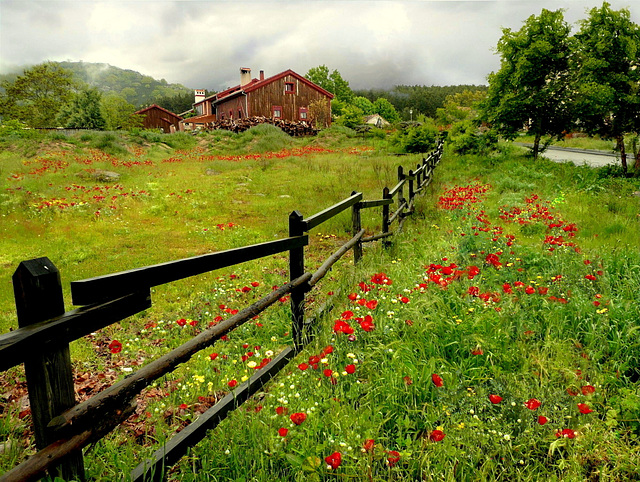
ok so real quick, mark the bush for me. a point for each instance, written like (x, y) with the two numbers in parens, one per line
(466, 137)
(416, 137)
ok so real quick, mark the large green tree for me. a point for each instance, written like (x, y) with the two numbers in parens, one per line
(531, 88)
(83, 112)
(118, 113)
(331, 81)
(607, 70)
(36, 96)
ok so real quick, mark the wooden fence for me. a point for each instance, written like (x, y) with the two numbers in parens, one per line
(63, 427)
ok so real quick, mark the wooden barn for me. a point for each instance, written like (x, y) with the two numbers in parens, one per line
(286, 95)
(157, 117)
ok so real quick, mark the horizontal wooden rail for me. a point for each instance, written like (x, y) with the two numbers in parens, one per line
(101, 288)
(375, 203)
(393, 191)
(154, 469)
(319, 218)
(322, 271)
(376, 237)
(18, 345)
(395, 215)
(110, 400)
(34, 467)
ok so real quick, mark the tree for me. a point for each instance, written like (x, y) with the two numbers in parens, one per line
(531, 88)
(118, 113)
(607, 68)
(364, 104)
(331, 82)
(459, 107)
(351, 116)
(386, 109)
(83, 112)
(36, 96)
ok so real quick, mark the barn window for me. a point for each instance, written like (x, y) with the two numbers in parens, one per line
(289, 88)
(276, 111)
(239, 113)
(303, 113)
(231, 114)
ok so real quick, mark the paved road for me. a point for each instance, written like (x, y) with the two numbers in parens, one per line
(579, 156)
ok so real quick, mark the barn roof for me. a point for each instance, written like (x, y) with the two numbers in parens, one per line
(155, 106)
(257, 84)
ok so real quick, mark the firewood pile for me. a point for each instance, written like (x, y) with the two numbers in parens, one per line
(293, 128)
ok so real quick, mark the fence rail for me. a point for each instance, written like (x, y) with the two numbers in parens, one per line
(63, 427)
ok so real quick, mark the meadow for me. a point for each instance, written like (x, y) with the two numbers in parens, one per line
(497, 338)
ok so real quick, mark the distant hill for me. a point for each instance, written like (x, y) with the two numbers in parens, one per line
(138, 89)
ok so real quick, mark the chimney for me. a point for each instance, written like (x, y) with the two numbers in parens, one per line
(245, 76)
(262, 75)
(200, 94)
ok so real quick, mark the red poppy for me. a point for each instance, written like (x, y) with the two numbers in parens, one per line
(404, 299)
(495, 398)
(314, 359)
(181, 322)
(477, 351)
(327, 349)
(213, 356)
(232, 383)
(588, 390)
(532, 404)
(566, 433)
(347, 315)
(327, 372)
(590, 277)
(298, 417)
(283, 432)
(367, 324)
(529, 290)
(183, 406)
(303, 366)
(436, 435)
(437, 380)
(281, 410)
(334, 460)
(350, 369)
(255, 284)
(352, 296)
(115, 346)
(368, 445)
(407, 380)
(393, 458)
(372, 304)
(542, 419)
(584, 408)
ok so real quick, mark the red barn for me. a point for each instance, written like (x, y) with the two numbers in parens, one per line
(286, 95)
(157, 117)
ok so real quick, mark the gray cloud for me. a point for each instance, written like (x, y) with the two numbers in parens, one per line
(202, 44)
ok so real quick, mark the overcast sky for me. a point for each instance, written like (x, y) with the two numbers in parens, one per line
(203, 44)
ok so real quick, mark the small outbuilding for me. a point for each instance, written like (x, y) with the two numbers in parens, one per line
(156, 117)
(376, 120)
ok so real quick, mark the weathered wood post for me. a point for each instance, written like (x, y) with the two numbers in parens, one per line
(411, 193)
(385, 217)
(420, 175)
(401, 190)
(357, 226)
(38, 294)
(296, 269)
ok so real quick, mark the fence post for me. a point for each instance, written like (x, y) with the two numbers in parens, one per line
(357, 226)
(400, 191)
(385, 217)
(296, 269)
(38, 294)
(411, 193)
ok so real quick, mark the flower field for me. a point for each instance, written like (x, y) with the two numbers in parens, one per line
(497, 339)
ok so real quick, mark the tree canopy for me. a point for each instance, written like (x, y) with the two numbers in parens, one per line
(36, 96)
(607, 72)
(531, 87)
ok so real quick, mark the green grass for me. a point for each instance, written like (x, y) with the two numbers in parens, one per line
(550, 339)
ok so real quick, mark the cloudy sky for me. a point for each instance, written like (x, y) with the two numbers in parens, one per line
(202, 44)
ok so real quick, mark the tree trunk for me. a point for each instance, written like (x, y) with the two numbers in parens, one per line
(536, 145)
(623, 153)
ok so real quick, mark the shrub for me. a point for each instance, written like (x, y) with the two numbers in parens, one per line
(416, 137)
(466, 137)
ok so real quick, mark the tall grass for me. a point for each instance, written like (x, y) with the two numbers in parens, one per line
(553, 339)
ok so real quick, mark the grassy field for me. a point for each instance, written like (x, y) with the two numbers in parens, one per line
(497, 338)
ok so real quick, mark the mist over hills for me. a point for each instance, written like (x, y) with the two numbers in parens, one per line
(138, 89)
